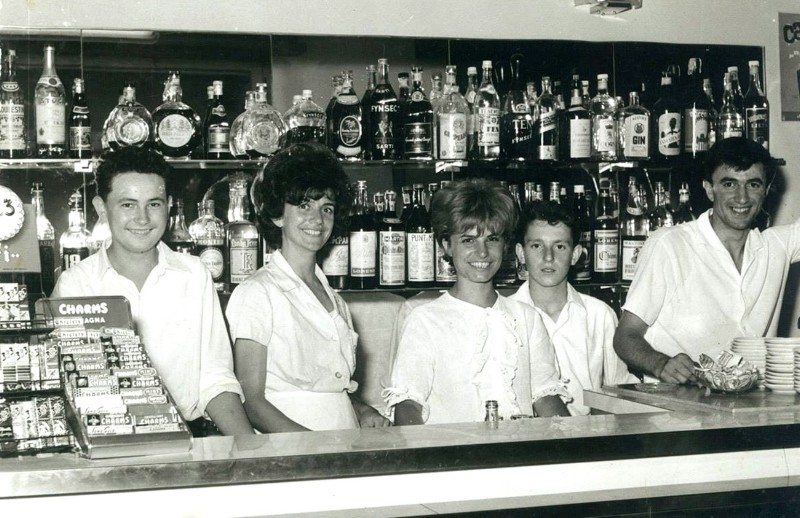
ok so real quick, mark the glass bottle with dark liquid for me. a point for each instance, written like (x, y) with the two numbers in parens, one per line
(75, 240)
(177, 126)
(345, 123)
(47, 240)
(177, 236)
(384, 116)
(305, 121)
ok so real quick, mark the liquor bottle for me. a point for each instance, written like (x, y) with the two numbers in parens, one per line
(487, 121)
(756, 109)
(417, 121)
(516, 124)
(666, 123)
(363, 242)
(437, 89)
(407, 193)
(403, 90)
(263, 128)
(730, 123)
(469, 95)
(13, 119)
(712, 114)
(178, 128)
(582, 269)
(633, 232)
(605, 240)
(576, 126)
(634, 132)
(530, 91)
(46, 235)
(335, 261)
(216, 126)
(501, 76)
(384, 117)
(366, 103)
(559, 95)
(336, 86)
(391, 246)
(130, 123)
(80, 123)
(177, 236)
(51, 110)
(604, 131)
(586, 98)
(661, 215)
(305, 120)
(545, 126)
(452, 120)
(74, 242)
(419, 243)
(237, 141)
(696, 112)
(241, 236)
(684, 212)
(346, 132)
(208, 234)
(555, 192)
(736, 89)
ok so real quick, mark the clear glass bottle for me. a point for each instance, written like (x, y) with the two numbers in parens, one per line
(51, 110)
(756, 109)
(391, 246)
(437, 89)
(80, 123)
(130, 123)
(216, 126)
(730, 123)
(683, 213)
(582, 269)
(417, 121)
(305, 121)
(634, 131)
(452, 120)
(384, 117)
(667, 123)
(363, 242)
(633, 232)
(516, 123)
(604, 131)
(576, 126)
(46, 235)
(74, 242)
(696, 113)
(177, 236)
(586, 98)
(470, 93)
(208, 234)
(605, 240)
(263, 128)
(13, 118)
(346, 131)
(736, 89)
(238, 140)
(546, 124)
(241, 236)
(661, 216)
(712, 114)
(178, 128)
(487, 110)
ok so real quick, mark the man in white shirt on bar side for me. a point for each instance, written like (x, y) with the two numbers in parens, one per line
(700, 284)
(173, 300)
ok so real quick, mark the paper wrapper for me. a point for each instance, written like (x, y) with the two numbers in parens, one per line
(728, 373)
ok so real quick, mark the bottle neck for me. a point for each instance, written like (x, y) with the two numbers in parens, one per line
(383, 74)
(237, 211)
(37, 200)
(755, 81)
(77, 221)
(361, 200)
(48, 67)
(486, 77)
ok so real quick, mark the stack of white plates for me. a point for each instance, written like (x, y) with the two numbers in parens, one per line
(781, 364)
(753, 350)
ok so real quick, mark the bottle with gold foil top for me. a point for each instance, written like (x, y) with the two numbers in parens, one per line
(177, 125)
(241, 236)
(51, 110)
(80, 123)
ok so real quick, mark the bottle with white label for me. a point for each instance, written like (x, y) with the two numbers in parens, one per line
(634, 131)
(452, 120)
(363, 242)
(417, 121)
(208, 233)
(51, 110)
(487, 121)
(667, 123)
(177, 125)
(345, 131)
(576, 126)
(391, 246)
(730, 122)
(633, 232)
(470, 93)
(74, 242)
(605, 241)
(216, 126)
(241, 236)
(546, 124)
(13, 120)
(696, 113)
(756, 109)
(419, 243)
(604, 130)
(80, 123)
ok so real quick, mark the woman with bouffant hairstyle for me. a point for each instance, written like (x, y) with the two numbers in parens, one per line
(294, 344)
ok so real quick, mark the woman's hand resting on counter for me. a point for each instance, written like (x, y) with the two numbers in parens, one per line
(367, 416)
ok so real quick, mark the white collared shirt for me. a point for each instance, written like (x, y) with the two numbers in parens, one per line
(688, 291)
(583, 338)
(178, 316)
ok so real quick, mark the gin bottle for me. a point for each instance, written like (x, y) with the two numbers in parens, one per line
(263, 127)
(516, 125)
(130, 123)
(74, 242)
(487, 110)
(634, 132)
(346, 133)
(177, 236)
(546, 124)
(756, 109)
(238, 142)
(417, 121)
(452, 118)
(51, 110)
(730, 122)
(241, 236)
(13, 120)
(177, 126)
(216, 127)
(80, 123)
(384, 116)
(47, 239)
(208, 234)
(604, 131)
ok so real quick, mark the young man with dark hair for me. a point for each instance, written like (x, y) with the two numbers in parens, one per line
(172, 297)
(700, 284)
(581, 327)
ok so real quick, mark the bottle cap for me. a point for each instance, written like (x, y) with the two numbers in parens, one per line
(307, 94)
(579, 188)
(752, 63)
(602, 76)
(383, 61)
(487, 63)
(471, 71)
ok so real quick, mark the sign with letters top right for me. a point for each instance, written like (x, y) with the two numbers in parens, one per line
(789, 45)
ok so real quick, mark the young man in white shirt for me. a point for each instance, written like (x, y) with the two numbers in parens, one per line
(173, 301)
(700, 284)
(581, 327)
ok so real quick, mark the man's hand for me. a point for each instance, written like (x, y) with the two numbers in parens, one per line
(678, 369)
(368, 417)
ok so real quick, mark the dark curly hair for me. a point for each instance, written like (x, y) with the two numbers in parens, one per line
(129, 160)
(306, 171)
(550, 212)
(740, 154)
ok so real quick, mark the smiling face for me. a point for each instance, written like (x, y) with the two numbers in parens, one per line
(476, 257)
(306, 227)
(548, 252)
(737, 197)
(137, 212)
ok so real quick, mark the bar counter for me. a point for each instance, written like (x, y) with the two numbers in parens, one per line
(639, 452)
